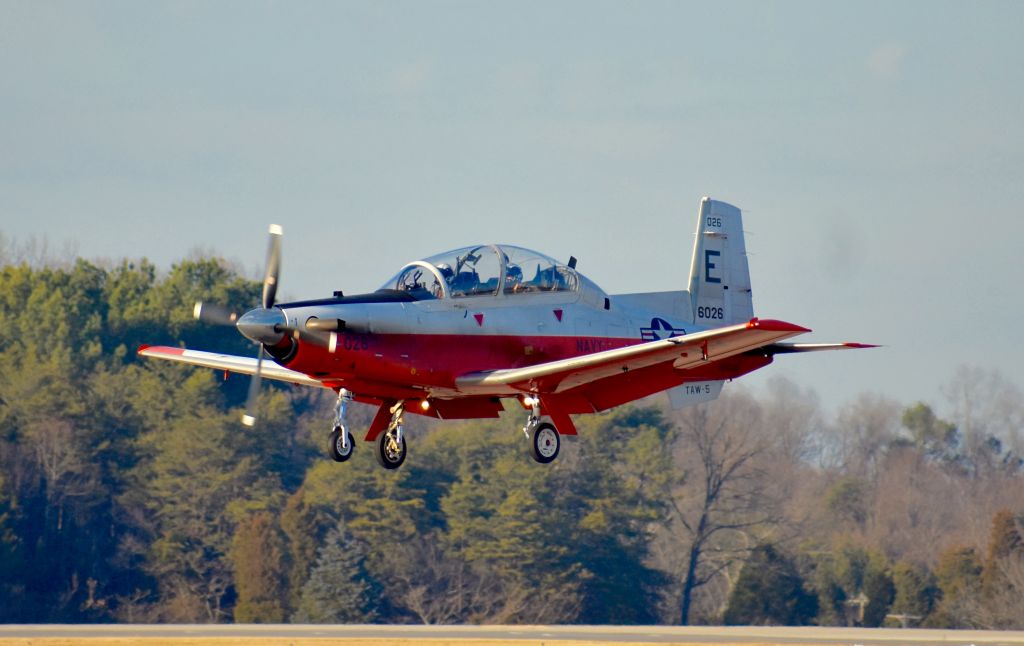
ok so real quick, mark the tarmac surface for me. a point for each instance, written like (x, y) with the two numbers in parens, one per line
(319, 635)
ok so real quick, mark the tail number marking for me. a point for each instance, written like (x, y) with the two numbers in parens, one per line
(716, 313)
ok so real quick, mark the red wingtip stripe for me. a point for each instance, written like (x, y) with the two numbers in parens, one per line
(142, 348)
(161, 349)
(861, 346)
(773, 325)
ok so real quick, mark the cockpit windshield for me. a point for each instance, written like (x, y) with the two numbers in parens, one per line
(483, 270)
(529, 271)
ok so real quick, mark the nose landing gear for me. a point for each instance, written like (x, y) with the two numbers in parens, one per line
(341, 445)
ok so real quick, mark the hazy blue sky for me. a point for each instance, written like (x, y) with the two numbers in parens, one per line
(877, 151)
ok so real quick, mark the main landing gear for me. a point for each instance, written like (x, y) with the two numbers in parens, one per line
(543, 437)
(390, 447)
(390, 451)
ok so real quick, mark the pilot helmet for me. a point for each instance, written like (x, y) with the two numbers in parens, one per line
(446, 270)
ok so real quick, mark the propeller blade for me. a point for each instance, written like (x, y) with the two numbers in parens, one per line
(249, 418)
(270, 278)
(214, 313)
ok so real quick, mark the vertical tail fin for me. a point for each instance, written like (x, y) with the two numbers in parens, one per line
(719, 276)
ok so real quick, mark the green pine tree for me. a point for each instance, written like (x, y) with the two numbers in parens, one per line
(958, 575)
(916, 591)
(770, 591)
(339, 589)
(299, 524)
(257, 557)
(615, 493)
(937, 438)
(879, 589)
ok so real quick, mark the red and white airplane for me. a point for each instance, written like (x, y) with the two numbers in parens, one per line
(454, 335)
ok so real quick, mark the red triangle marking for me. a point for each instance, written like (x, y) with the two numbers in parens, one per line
(558, 315)
(479, 319)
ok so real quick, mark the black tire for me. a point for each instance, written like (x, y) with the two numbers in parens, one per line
(544, 443)
(335, 450)
(386, 458)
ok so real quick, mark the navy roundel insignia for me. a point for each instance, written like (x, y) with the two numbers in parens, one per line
(660, 329)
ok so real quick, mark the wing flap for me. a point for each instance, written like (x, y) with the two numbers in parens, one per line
(684, 351)
(228, 362)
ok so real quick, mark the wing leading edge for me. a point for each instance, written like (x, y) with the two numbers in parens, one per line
(684, 352)
(229, 362)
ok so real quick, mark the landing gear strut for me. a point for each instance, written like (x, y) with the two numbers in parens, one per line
(543, 437)
(341, 444)
(390, 451)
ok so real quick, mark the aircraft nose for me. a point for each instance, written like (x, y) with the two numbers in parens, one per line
(261, 325)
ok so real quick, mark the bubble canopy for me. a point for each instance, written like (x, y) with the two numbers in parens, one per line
(484, 270)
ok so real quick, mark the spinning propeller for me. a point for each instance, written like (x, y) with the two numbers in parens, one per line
(270, 277)
(265, 325)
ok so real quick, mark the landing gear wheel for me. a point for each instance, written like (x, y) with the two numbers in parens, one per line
(390, 451)
(336, 450)
(544, 443)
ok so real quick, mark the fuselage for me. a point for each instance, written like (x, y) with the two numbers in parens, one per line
(417, 349)
(447, 316)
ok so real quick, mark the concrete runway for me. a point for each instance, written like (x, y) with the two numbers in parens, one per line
(512, 635)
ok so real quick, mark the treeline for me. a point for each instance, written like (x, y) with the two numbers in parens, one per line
(130, 491)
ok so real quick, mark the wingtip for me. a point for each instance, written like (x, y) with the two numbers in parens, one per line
(143, 348)
(276, 230)
(248, 420)
(861, 346)
(774, 325)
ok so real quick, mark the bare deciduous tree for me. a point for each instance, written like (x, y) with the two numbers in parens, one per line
(792, 417)
(1004, 606)
(438, 588)
(65, 474)
(863, 431)
(725, 496)
(986, 406)
(916, 506)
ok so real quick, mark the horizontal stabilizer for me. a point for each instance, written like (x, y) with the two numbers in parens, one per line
(792, 348)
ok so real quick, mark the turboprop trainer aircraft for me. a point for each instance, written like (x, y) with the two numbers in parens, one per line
(454, 335)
